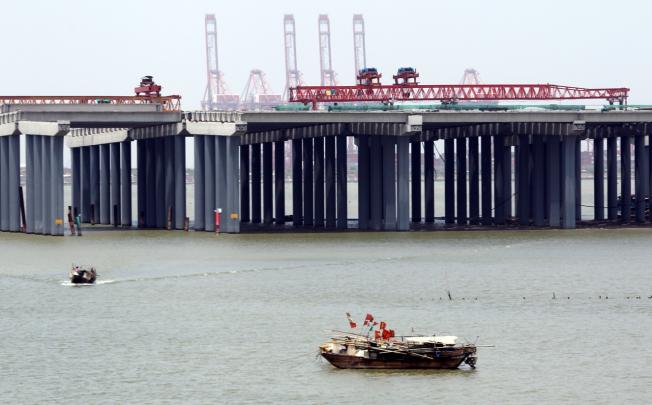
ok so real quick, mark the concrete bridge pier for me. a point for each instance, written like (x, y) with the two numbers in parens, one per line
(279, 182)
(569, 176)
(232, 187)
(598, 178)
(612, 178)
(308, 182)
(538, 180)
(474, 180)
(429, 181)
(180, 212)
(376, 183)
(329, 178)
(105, 197)
(85, 183)
(523, 201)
(268, 183)
(415, 174)
(319, 185)
(363, 182)
(389, 182)
(625, 177)
(500, 205)
(245, 184)
(461, 181)
(485, 163)
(75, 160)
(200, 164)
(642, 177)
(553, 186)
(256, 194)
(449, 178)
(221, 200)
(116, 202)
(297, 183)
(4, 183)
(341, 183)
(402, 184)
(125, 183)
(209, 184)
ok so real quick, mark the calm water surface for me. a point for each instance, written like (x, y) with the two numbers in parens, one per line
(199, 318)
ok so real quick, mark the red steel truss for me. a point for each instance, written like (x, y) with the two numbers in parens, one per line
(169, 103)
(448, 93)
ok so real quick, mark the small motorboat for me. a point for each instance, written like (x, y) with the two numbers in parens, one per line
(82, 275)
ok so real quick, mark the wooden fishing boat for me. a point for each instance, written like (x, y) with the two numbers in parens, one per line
(82, 275)
(348, 350)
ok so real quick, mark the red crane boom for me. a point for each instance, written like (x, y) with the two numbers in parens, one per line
(448, 93)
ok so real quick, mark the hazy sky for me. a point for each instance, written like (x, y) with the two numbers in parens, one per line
(71, 47)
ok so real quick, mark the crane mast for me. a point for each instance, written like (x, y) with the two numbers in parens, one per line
(325, 62)
(359, 49)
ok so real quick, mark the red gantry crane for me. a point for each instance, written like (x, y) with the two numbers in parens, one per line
(405, 88)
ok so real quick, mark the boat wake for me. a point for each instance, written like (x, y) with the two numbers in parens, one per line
(67, 283)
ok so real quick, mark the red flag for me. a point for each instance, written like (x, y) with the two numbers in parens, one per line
(368, 319)
(386, 334)
(383, 325)
(377, 334)
(352, 324)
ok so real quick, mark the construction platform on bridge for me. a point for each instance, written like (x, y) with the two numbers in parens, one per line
(500, 168)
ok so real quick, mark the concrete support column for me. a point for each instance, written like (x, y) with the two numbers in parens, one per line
(297, 183)
(168, 163)
(376, 183)
(14, 182)
(199, 178)
(461, 181)
(222, 182)
(209, 183)
(415, 172)
(402, 186)
(308, 183)
(389, 182)
(319, 181)
(429, 181)
(449, 180)
(485, 145)
(524, 180)
(47, 178)
(105, 197)
(4, 183)
(642, 180)
(255, 184)
(500, 207)
(598, 179)
(553, 186)
(330, 182)
(179, 181)
(150, 183)
(268, 180)
(85, 174)
(56, 183)
(75, 157)
(95, 182)
(29, 180)
(538, 178)
(363, 182)
(625, 178)
(578, 180)
(160, 188)
(125, 183)
(245, 199)
(141, 187)
(569, 145)
(232, 188)
(474, 180)
(37, 200)
(508, 178)
(612, 178)
(116, 201)
(279, 186)
(341, 187)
